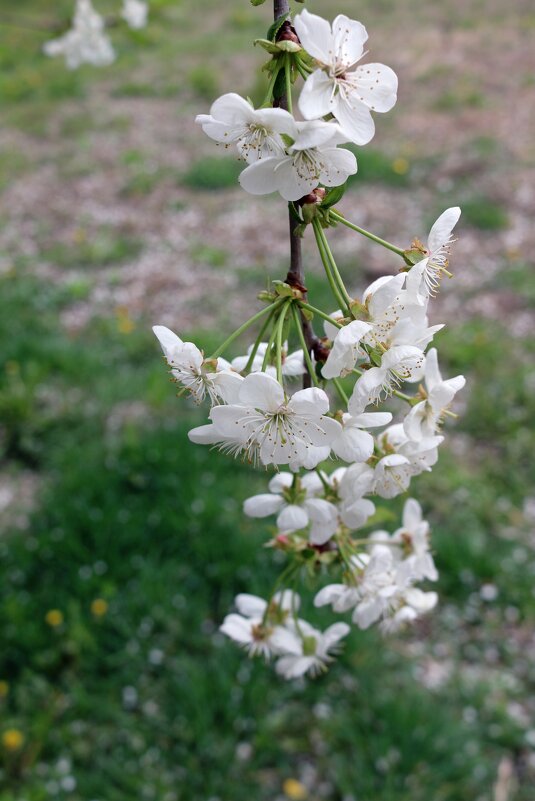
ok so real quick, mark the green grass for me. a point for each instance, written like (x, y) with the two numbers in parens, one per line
(213, 173)
(99, 248)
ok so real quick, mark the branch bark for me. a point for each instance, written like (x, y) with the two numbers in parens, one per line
(296, 273)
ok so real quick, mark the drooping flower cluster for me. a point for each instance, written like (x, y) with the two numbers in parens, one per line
(334, 454)
(87, 42)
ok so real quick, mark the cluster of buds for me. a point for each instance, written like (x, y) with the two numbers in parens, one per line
(86, 41)
(339, 451)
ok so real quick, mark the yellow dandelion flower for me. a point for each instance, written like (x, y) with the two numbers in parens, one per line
(54, 618)
(400, 166)
(12, 739)
(99, 607)
(294, 790)
(4, 688)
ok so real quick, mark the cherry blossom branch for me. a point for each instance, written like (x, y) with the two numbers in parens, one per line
(296, 274)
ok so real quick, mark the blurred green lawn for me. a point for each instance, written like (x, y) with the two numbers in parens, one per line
(140, 697)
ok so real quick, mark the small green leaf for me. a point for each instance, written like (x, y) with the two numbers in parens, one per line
(257, 2)
(412, 257)
(276, 26)
(282, 289)
(333, 196)
(267, 45)
(286, 46)
(310, 212)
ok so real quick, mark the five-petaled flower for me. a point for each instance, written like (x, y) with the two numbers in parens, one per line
(337, 87)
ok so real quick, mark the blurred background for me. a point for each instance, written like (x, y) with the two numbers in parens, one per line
(123, 545)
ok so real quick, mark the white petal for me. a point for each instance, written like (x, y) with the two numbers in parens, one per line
(316, 94)
(227, 384)
(315, 35)
(237, 628)
(442, 228)
(291, 184)
(232, 108)
(204, 435)
(412, 514)
(292, 518)
(315, 133)
(260, 178)
(167, 339)
(262, 392)
(250, 605)
(368, 612)
(376, 86)
(333, 634)
(310, 401)
(338, 164)
(262, 505)
(355, 120)
(357, 514)
(280, 482)
(277, 119)
(353, 445)
(292, 667)
(349, 39)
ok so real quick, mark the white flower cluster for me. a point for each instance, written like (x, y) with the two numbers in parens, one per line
(274, 630)
(294, 157)
(87, 42)
(339, 451)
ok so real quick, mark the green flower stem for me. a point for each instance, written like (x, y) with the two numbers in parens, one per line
(340, 390)
(258, 340)
(306, 354)
(320, 313)
(271, 340)
(338, 217)
(334, 268)
(288, 77)
(272, 81)
(243, 328)
(273, 337)
(293, 567)
(280, 326)
(321, 477)
(334, 288)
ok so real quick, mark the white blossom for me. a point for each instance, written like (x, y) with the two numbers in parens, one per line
(413, 536)
(86, 42)
(134, 13)
(313, 158)
(312, 650)
(353, 443)
(425, 417)
(188, 366)
(400, 363)
(339, 88)
(260, 629)
(424, 278)
(387, 593)
(281, 428)
(346, 349)
(351, 484)
(294, 502)
(256, 133)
